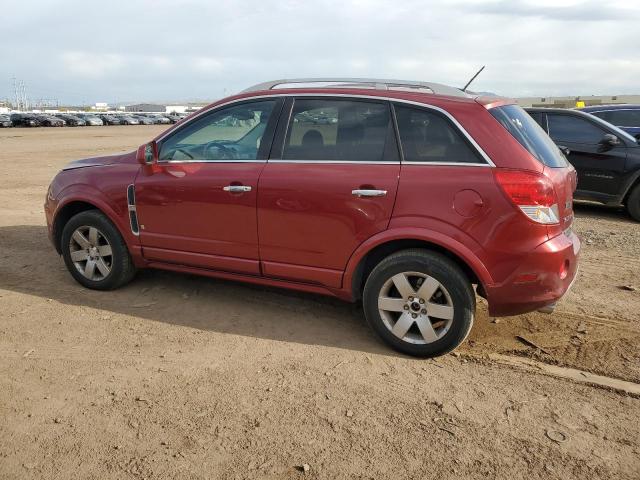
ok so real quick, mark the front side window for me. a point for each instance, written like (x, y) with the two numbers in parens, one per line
(232, 133)
(338, 130)
(568, 128)
(428, 136)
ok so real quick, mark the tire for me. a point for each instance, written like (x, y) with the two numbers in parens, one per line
(112, 266)
(442, 321)
(633, 203)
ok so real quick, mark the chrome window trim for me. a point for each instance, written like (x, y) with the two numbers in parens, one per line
(334, 162)
(479, 149)
(451, 164)
(165, 162)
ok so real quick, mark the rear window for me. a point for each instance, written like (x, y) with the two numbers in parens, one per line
(529, 134)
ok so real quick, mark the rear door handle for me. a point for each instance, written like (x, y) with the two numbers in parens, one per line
(369, 193)
(237, 188)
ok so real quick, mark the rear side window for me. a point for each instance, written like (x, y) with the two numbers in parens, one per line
(427, 136)
(568, 128)
(339, 130)
(529, 134)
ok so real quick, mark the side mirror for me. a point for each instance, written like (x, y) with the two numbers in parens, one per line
(147, 153)
(609, 140)
(565, 150)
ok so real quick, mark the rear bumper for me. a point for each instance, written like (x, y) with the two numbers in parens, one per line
(540, 281)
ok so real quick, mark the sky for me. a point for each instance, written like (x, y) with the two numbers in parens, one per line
(83, 51)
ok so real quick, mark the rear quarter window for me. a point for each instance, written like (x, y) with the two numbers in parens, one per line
(529, 134)
(428, 137)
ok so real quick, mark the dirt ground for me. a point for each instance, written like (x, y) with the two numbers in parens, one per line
(176, 376)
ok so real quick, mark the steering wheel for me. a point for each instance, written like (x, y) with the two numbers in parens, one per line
(216, 151)
(185, 153)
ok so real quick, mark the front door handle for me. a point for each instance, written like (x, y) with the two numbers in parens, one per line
(237, 188)
(369, 193)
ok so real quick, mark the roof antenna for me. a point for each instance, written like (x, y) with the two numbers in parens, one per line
(464, 89)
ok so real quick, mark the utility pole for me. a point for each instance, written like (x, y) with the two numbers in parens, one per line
(25, 104)
(16, 104)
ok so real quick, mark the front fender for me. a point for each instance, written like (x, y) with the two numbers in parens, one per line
(115, 208)
(421, 234)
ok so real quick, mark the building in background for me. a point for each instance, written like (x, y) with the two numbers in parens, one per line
(175, 108)
(100, 106)
(579, 101)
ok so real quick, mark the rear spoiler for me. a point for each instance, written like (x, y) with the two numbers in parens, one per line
(490, 101)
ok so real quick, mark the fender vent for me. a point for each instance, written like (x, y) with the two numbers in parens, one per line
(131, 204)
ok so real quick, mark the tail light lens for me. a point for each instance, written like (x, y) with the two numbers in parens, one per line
(532, 192)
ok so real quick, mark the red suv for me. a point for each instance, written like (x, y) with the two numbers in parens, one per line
(404, 195)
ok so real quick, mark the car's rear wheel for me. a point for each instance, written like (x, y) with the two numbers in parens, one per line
(419, 302)
(633, 203)
(95, 253)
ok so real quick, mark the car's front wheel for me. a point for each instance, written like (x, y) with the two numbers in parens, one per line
(420, 302)
(95, 253)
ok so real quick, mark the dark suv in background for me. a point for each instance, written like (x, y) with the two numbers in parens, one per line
(625, 117)
(606, 158)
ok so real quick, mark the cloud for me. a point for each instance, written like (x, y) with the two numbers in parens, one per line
(92, 65)
(196, 49)
(556, 11)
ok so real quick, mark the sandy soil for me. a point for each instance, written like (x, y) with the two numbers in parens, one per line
(176, 376)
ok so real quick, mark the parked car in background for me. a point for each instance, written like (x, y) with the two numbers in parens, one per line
(606, 158)
(110, 119)
(407, 197)
(25, 120)
(625, 117)
(47, 120)
(144, 120)
(159, 119)
(71, 120)
(128, 120)
(175, 117)
(90, 119)
(5, 121)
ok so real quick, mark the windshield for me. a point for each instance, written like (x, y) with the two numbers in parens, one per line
(529, 134)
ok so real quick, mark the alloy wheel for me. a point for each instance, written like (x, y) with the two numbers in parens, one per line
(415, 307)
(91, 253)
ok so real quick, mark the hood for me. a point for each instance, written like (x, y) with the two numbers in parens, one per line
(102, 161)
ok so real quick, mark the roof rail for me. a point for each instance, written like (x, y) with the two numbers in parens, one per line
(373, 83)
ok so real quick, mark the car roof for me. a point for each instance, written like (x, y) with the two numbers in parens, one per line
(615, 106)
(569, 111)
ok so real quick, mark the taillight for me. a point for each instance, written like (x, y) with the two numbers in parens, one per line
(532, 192)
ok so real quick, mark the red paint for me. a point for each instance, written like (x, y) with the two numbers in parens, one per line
(183, 207)
(307, 214)
(301, 228)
